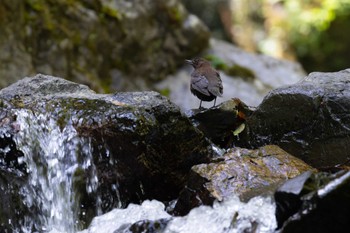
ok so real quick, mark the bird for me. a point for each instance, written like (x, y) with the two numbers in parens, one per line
(206, 82)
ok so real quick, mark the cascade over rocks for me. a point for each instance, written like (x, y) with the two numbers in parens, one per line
(141, 142)
(143, 147)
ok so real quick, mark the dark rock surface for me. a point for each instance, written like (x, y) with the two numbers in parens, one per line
(242, 172)
(98, 43)
(315, 203)
(145, 226)
(223, 123)
(288, 197)
(141, 141)
(310, 119)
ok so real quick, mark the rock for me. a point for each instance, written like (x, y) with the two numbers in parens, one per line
(246, 76)
(12, 175)
(145, 226)
(309, 120)
(209, 12)
(221, 124)
(288, 197)
(12, 207)
(242, 172)
(314, 203)
(108, 45)
(142, 145)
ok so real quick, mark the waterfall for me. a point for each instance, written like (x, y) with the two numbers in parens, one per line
(53, 155)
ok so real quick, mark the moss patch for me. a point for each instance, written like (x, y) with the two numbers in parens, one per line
(234, 70)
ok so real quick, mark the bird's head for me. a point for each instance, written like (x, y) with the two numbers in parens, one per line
(197, 62)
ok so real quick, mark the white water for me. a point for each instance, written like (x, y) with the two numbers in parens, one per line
(52, 156)
(230, 216)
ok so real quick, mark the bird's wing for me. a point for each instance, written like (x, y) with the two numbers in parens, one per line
(216, 88)
(200, 84)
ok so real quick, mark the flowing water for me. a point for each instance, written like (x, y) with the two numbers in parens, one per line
(52, 155)
(229, 216)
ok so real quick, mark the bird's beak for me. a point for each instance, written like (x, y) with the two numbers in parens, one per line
(188, 62)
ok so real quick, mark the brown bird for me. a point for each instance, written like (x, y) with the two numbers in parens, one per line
(206, 83)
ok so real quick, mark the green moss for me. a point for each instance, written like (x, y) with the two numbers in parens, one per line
(36, 5)
(165, 92)
(175, 15)
(243, 72)
(17, 102)
(234, 70)
(216, 62)
(111, 12)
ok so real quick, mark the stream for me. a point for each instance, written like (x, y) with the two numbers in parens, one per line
(54, 154)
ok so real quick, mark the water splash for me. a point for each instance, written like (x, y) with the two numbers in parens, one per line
(52, 155)
(229, 216)
(232, 215)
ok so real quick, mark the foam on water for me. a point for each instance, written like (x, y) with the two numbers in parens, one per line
(113, 220)
(230, 216)
(52, 155)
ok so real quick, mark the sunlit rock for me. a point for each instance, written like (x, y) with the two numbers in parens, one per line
(243, 172)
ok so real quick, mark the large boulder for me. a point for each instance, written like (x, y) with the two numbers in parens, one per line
(109, 45)
(314, 203)
(142, 146)
(310, 119)
(242, 172)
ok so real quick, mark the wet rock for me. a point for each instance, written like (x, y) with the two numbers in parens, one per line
(12, 208)
(314, 203)
(242, 172)
(108, 45)
(12, 177)
(145, 226)
(222, 124)
(309, 119)
(246, 76)
(288, 197)
(143, 147)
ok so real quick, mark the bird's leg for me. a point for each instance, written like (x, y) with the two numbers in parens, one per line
(214, 102)
(200, 104)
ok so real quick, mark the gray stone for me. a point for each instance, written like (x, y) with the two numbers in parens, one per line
(310, 119)
(108, 45)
